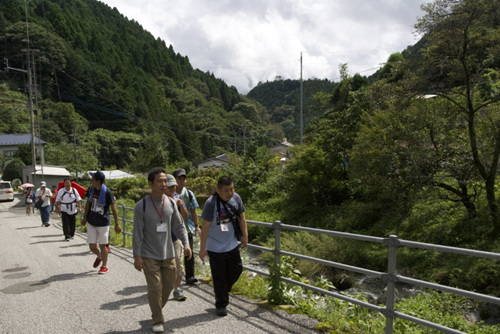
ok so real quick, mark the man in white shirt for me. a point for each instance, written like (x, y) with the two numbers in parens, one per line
(44, 194)
(68, 203)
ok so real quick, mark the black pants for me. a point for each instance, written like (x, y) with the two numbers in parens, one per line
(189, 264)
(226, 269)
(69, 224)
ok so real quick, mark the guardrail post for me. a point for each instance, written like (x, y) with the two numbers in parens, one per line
(124, 211)
(277, 248)
(392, 243)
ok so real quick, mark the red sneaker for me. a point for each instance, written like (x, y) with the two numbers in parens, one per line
(103, 270)
(109, 250)
(97, 262)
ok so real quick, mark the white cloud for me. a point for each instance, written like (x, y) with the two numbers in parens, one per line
(244, 42)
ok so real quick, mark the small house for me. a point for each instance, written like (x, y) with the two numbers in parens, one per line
(52, 175)
(9, 145)
(217, 162)
(282, 148)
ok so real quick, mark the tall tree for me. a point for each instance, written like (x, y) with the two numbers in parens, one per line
(462, 67)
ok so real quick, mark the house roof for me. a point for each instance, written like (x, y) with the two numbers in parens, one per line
(222, 158)
(113, 174)
(283, 144)
(48, 170)
(18, 139)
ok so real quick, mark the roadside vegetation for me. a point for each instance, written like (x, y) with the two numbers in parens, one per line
(411, 151)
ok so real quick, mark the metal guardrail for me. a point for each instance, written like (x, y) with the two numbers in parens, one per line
(390, 277)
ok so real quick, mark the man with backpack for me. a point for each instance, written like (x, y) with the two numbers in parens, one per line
(97, 212)
(68, 203)
(191, 204)
(43, 195)
(155, 218)
(224, 232)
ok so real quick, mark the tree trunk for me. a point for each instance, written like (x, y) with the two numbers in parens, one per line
(466, 201)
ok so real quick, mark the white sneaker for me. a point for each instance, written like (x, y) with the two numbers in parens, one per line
(158, 328)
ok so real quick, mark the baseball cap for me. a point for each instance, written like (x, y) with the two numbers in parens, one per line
(179, 172)
(171, 181)
(43, 184)
(99, 176)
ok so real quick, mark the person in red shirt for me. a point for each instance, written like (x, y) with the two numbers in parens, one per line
(53, 199)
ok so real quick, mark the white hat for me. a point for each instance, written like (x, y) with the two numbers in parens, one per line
(171, 180)
(43, 184)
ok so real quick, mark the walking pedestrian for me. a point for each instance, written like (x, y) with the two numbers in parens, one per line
(154, 221)
(29, 199)
(100, 201)
(44, 194)
(53, 199)
(222, 214)
(178, 247)
(191, 204)
(68, 203)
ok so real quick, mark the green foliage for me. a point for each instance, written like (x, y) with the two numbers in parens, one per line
(13, 170)
(203, 182)
(281, 292)
(152, 155)
(131, 189)
(14, 114)
(16, 183)
(121, 78)
(24, 153)
(255, 287)
(282, 100)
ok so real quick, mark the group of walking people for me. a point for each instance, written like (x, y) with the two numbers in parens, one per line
(165, 217)
(165, 222)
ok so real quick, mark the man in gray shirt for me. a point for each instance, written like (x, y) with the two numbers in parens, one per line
(155, 218)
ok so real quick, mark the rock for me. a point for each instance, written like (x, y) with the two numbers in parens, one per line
(472, 317)
(383, 297)
(489, 310)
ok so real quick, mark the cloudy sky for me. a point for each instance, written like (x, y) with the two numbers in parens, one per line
(247, 41)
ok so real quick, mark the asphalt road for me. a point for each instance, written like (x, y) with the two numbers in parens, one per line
(48, 285)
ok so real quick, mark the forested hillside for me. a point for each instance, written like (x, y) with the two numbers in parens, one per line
(412, 151)
(119, 78)
(282, 100)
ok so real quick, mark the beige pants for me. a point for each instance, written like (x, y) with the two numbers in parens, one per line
(160, 278)
(179, 256)
(28, 209)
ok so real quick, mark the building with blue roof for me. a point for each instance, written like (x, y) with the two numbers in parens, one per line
(9, 144)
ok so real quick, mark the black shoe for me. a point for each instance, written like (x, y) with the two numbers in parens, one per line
(47, 225)
(67, 238)
(221, 312)
(191, 280)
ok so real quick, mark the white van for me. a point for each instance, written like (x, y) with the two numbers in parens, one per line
(6, 191)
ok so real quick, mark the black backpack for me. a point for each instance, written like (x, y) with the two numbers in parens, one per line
(69, 205)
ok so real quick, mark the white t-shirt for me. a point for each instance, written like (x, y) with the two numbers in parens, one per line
(45, 195)
(68, 200)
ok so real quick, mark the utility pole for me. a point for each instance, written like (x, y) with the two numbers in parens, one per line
(38, 112)
(30, 101)
(301, 98)
(76, 156)
(245, 136)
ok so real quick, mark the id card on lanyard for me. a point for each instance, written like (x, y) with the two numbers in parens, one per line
(161, 226)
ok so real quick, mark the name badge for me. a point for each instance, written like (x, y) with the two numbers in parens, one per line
(161, 227)
(224, 227)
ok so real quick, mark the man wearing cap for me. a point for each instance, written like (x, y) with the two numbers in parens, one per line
(100, 200)
(44, 194)
(191, 204)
